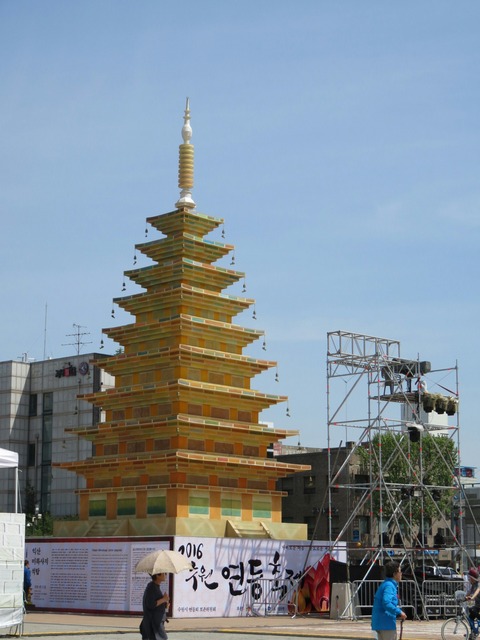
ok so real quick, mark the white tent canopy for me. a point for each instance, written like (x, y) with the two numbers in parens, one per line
(11, 599)
(9, 460)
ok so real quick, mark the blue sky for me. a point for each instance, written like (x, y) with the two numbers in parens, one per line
(338, 139)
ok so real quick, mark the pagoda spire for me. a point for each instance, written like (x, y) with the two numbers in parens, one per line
(185, 164)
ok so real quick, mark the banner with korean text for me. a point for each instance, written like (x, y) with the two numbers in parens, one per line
(229, 576)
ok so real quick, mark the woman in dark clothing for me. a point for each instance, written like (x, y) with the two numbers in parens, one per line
(155, 605)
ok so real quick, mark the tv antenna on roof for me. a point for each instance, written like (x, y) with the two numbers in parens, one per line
(78, 335)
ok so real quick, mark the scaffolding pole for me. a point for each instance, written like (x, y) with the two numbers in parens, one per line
(389, 398)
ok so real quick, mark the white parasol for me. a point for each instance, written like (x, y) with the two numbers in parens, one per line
(163, 561)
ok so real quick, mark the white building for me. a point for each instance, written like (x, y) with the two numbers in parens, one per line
(38, 405)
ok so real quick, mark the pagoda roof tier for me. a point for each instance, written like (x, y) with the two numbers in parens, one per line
(225, 361)
(197, 274)
(181, 460)
(185, 293)
(243, 398)
(182, 390)
(184, 325)
(184, 220)
(181, 424)
(186, 244)
(92, 491)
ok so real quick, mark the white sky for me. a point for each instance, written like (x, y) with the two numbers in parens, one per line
(339, 140)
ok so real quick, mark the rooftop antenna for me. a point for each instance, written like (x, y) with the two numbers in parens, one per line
(185, 164)
(45, 334)
(78, 335)
(24, 358)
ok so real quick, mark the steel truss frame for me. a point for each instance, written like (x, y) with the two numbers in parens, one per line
(377, 382)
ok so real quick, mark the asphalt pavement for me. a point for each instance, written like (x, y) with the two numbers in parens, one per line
(40, 624)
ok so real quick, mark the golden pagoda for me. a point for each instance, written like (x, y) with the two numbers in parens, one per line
(181, 450)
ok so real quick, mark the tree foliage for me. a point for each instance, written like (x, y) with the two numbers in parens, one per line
(36, 524)
(419, 473)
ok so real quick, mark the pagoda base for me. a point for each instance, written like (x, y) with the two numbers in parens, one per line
(195, 527)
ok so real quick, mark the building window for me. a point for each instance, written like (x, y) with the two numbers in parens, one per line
(287, 485)
(195, 409)
(250, 451)
(214, 378)
(48, 403)
(47, 439)
(262, 508)
(97, 508)
(308, 484)
(32, 404)
(361, 478)
(199, 506)
(311, 522)
(45, 487)
(226, 448)
(218, 412)
(126, 506)
(231, 507)
(156, 505)
(364, 524)
(31, 454)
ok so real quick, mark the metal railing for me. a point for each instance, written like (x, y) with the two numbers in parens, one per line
(439, 597)
(363, 593)
(273, 597)
(430, 599)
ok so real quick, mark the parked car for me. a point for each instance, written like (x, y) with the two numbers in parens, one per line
(448, 573)
(442, 573)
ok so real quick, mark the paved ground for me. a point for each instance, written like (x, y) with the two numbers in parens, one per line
(93, 627)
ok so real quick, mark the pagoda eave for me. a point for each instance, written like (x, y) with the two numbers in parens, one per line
(181, 391)
(177, 485)
(191, 271)
(179, 219)
(185, 354)
(184, 325)
(183, 243)
(182, 295)
(108, 433)
(180, 460)
(185, 423)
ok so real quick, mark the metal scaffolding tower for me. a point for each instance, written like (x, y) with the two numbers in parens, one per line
(404, 416)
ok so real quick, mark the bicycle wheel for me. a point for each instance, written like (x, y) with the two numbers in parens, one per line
(455, 629)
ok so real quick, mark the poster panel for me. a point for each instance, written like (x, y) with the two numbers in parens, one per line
(228, 578)
(97, 574)
(231, 575)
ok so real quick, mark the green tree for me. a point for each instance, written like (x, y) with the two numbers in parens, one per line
(421, 472)
(37, 524)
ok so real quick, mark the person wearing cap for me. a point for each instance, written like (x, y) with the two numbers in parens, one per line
(385, 604)
(474, 611)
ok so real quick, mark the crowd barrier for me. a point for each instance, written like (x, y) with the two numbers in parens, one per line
(273, 597)
(439, 597)
(364, 591)
(430, 599)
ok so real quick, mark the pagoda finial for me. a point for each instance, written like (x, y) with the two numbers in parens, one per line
(185, 164)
